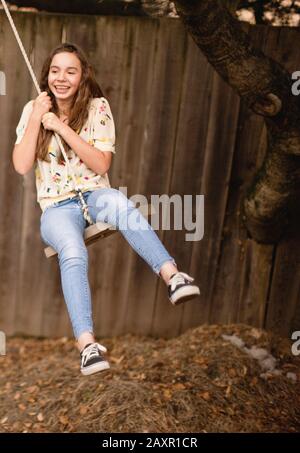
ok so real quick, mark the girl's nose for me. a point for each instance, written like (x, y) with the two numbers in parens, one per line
(61, 78)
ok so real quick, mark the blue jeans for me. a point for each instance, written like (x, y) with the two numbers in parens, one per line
(62, 227)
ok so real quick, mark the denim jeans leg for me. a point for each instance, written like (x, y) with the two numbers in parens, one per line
(112, 206)
(62, 228)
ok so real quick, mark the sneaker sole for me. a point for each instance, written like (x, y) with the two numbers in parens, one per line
(95, 368)
(184, 294)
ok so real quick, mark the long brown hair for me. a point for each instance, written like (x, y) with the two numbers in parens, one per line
(88, 89)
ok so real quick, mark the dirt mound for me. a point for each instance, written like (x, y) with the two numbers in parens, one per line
(211, 379)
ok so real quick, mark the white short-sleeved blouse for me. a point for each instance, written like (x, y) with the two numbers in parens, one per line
(53, 183)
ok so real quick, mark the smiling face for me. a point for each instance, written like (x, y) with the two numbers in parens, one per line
(64, 76)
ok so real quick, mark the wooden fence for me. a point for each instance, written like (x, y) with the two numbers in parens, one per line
(180, 130)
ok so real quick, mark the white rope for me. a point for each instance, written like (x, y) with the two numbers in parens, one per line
(57, 137)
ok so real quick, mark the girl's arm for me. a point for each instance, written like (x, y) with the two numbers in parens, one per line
(96, 160)
(23, 156)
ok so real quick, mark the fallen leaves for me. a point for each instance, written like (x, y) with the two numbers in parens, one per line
(204, 395)
(63, 419)
(83, 410)
(40, 417)
(17, 396)
(186, 383)
(32, 389)
(167, 394)
(228, 391)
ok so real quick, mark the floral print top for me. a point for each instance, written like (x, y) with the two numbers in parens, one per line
(53, 183)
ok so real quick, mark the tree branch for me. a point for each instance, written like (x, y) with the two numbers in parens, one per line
(266, 88)
(104, 7)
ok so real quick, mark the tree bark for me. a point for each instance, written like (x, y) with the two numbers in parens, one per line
(231, 5)
(266, 88)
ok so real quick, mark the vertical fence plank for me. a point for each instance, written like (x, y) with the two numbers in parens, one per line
(35, 294)
(283, 305)
(11, 184)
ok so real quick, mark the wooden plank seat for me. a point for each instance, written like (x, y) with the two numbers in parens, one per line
(101, 230)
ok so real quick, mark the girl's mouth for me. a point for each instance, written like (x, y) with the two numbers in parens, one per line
(61, 89)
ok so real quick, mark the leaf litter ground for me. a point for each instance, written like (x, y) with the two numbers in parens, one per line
(202, 381)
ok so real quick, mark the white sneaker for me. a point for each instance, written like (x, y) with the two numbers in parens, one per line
(92, 360)
(180, 288)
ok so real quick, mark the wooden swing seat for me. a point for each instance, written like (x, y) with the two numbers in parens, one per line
(101, 230)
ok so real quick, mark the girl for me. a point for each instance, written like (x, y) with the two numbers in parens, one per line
(72, 105)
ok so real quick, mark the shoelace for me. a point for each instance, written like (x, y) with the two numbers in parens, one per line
(179, 278)
(91, 351)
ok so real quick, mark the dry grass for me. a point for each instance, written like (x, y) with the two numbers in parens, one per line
(197, 382)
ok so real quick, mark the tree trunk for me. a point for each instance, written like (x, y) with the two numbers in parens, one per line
(231, 5)
(266, 88)
(160, 8)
